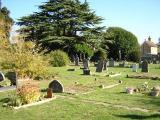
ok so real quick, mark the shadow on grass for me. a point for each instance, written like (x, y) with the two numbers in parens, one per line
(44, 90)
(139, 117)
(5, 100)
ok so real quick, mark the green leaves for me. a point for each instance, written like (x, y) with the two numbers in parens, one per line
(57, 24)
(123, 40)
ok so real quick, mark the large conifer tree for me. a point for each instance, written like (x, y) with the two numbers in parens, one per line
(60, 24)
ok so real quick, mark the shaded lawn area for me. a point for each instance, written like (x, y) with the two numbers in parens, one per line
(65, 109)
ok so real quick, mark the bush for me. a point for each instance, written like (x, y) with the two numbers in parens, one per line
(99, 55)
(134, 56)
(28, 93)
(24, 59)
(58, 58)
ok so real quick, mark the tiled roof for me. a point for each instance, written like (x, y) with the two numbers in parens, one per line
(150, 43)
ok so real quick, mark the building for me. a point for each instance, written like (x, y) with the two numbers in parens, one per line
(149, 50)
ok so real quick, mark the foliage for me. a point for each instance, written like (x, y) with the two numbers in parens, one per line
(58, 58)
(5, 22)
(100, 54)
(123, 41)
(13, 101)
(143, 87)
(5, 83)
(83, 49)
(23, 58)
(60, 24)
(135, 55)
(28, 93)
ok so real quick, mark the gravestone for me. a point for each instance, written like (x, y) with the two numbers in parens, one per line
(154, 61)
(73, 59)
(86, 64)
(111, 63)
(56, 86)
(140, 64)
(86, 72)
(145, 66)
(122, 64)
(99, 67)
(134, 67)
(12, 76)
(77, 61)
(2, 76)
(105, 65)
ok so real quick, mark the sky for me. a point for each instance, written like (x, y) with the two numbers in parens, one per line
(141, 17)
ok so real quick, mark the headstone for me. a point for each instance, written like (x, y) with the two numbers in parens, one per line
(2, 76)
(99, 66)
(105, 65)
(73, 58)
(77, 61)
(95, 64)
(111, 63)
(154, 61)
(86, 72)
(56, 86)
(122, 64)
(145, 66)
(140, 64)
(12, 76)
(86, 64)
(134, 67)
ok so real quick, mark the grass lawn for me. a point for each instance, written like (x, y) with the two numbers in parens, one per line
(100, 104)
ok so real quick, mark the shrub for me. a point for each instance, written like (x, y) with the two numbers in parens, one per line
(58, 58)
(28, 93)
(14, 100)
(135, 56)
(99, 55)
(24, 59)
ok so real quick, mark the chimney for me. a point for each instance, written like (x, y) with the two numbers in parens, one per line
(149, 38)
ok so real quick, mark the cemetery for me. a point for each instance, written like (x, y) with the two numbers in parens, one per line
(61, 63)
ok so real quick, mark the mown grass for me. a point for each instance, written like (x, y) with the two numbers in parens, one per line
(74, 107)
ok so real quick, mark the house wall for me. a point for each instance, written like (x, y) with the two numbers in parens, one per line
(145, 49)
(154, 50)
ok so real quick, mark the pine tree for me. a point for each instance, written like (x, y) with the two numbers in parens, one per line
(61, 24)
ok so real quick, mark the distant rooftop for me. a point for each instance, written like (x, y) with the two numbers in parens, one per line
(149, 42)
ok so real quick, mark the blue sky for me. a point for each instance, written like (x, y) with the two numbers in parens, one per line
(141, 17)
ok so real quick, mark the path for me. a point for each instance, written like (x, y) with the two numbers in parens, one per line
(2, 89)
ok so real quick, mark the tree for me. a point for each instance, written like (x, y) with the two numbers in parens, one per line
(6, 23)
(61, 24)
(122, 40)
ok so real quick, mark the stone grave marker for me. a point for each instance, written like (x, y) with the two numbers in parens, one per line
(86, 64)
(2, 76)
(140, 64)
(12, 76)
(86, 72)
(77, 61)
(73, 59)
(145, 66)
(134, 68)
(99, 67)
(154, 61)
(105, 65)
(111, 63)
(56, 86)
